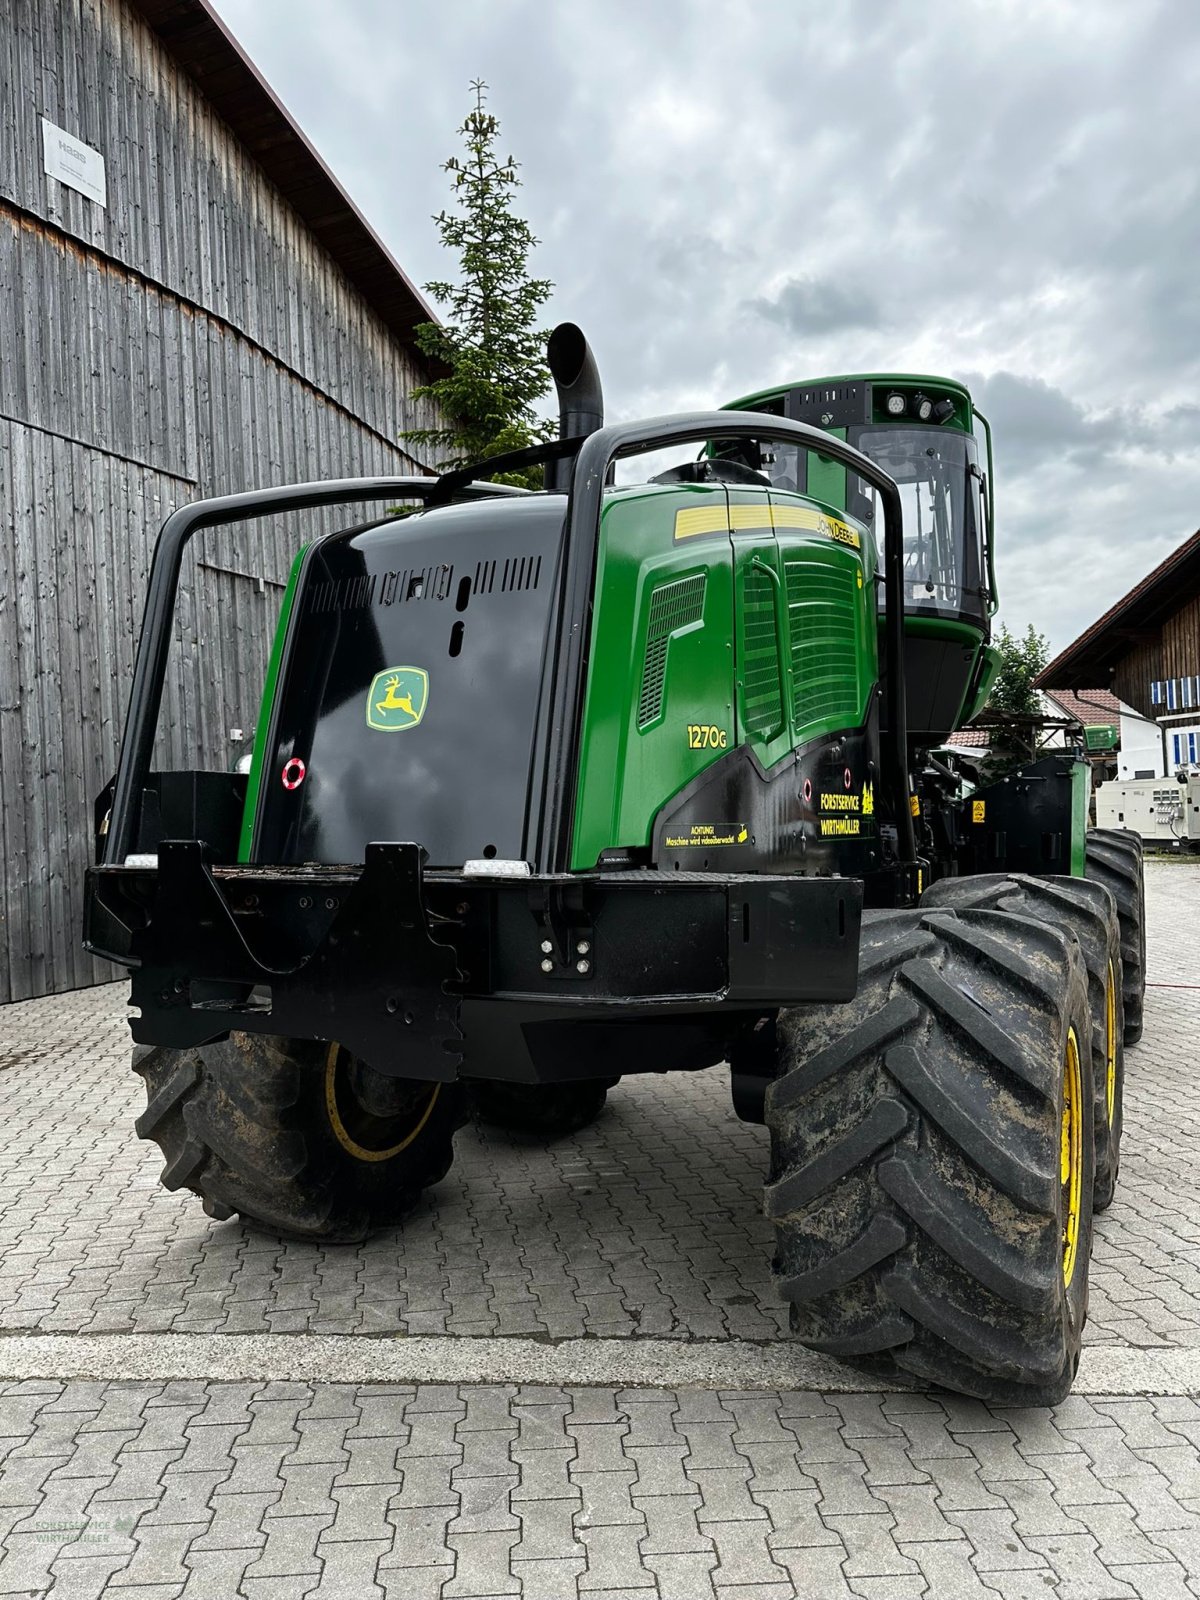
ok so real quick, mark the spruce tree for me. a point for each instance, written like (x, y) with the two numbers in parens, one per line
(490, 341)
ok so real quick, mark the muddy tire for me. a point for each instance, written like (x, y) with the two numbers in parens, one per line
(1114, 858)
(542, 1110)
(295, 1136)
(931, 1157)
(1087, 910)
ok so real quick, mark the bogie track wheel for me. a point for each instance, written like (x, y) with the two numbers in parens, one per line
(1087, 910)
(296, 1136)
(1114, 858)
(931, 1166)
(542, 1110)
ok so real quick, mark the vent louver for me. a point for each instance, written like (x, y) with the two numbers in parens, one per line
(761, 690)
(823, 608)
(672, 606)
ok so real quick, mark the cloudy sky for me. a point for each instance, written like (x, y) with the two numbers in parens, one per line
(733, 195)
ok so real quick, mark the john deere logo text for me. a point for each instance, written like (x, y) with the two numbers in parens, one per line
(396, 699)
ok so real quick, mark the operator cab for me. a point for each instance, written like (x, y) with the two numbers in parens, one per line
(920, 431)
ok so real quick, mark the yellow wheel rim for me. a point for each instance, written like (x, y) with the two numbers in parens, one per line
(364, 1152)
(1110, 1044)
(1071, 1155)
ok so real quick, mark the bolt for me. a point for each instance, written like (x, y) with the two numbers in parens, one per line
(462, 908)
(393, 1005)
(583, 968)
(547, 965)
(582, 948)
(547, 947)
(305, 902)
(330, 903)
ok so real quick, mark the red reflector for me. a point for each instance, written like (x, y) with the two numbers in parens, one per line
(293, 773)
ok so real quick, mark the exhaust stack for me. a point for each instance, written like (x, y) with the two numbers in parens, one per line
(580, 397)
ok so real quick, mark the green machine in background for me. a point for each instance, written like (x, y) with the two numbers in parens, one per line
(551, 788)
(923, 432)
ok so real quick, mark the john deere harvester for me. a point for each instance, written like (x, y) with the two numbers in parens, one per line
(552, 788)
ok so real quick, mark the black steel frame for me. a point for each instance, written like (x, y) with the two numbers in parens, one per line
(559, 730)
(154, 644)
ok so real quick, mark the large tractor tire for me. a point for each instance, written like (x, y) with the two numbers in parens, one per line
(295, 1136)
(1087, 910)
(1114, 858)
(543, 1110)
(931, 1157)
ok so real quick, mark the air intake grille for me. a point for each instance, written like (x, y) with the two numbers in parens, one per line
(823, 608)
(672, 606)
(760, 668)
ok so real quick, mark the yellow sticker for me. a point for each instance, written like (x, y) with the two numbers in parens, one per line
(692, 521)
(695, 520)
(706, 736)
(914, 804)
(709, 834)
(840, 827)
(868, 800)
(978, 810)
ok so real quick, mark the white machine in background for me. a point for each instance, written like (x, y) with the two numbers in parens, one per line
(1164, 811)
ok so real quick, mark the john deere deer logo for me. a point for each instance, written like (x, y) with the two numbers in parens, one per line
(396, 699)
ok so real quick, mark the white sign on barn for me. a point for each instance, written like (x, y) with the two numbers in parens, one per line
(74, 163)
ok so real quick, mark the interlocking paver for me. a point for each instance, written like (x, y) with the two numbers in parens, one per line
(434, 1490)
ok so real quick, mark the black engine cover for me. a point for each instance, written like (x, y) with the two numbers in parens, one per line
(409, 691)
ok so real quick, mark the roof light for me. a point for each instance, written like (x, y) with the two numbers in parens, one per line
(943, 411)
(895, 404)
(922, 407)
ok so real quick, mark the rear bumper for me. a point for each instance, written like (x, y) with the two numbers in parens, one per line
(407, 968)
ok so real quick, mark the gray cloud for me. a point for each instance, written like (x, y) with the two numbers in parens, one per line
(731, 197)
(818, 305)
(1034, 422)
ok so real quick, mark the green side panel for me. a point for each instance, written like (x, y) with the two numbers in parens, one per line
(834, 662)
(722, 615)
(985, 676)
(1081, 794)
(254, 781)
(661, 661)
(827, 479)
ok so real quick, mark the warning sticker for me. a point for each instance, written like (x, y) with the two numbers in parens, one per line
(978, 810)
(709, 835)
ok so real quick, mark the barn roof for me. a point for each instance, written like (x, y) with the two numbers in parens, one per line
(210, 55)
(1100, 707)
(1148, 604)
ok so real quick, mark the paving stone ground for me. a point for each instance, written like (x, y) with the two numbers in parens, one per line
(648, 1224)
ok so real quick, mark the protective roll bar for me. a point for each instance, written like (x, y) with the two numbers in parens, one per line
(150, 666)
(563, 685)
(556, 754)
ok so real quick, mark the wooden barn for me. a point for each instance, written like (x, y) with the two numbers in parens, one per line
(1146, 650)
(189, 305)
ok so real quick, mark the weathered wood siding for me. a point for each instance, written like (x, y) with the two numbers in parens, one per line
(190, 339)
(1174, 652)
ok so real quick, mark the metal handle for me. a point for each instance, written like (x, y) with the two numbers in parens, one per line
(784, 653)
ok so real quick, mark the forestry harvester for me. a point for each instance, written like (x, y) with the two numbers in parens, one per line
(554, 787)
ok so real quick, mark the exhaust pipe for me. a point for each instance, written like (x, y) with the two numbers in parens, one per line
(580, 397)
